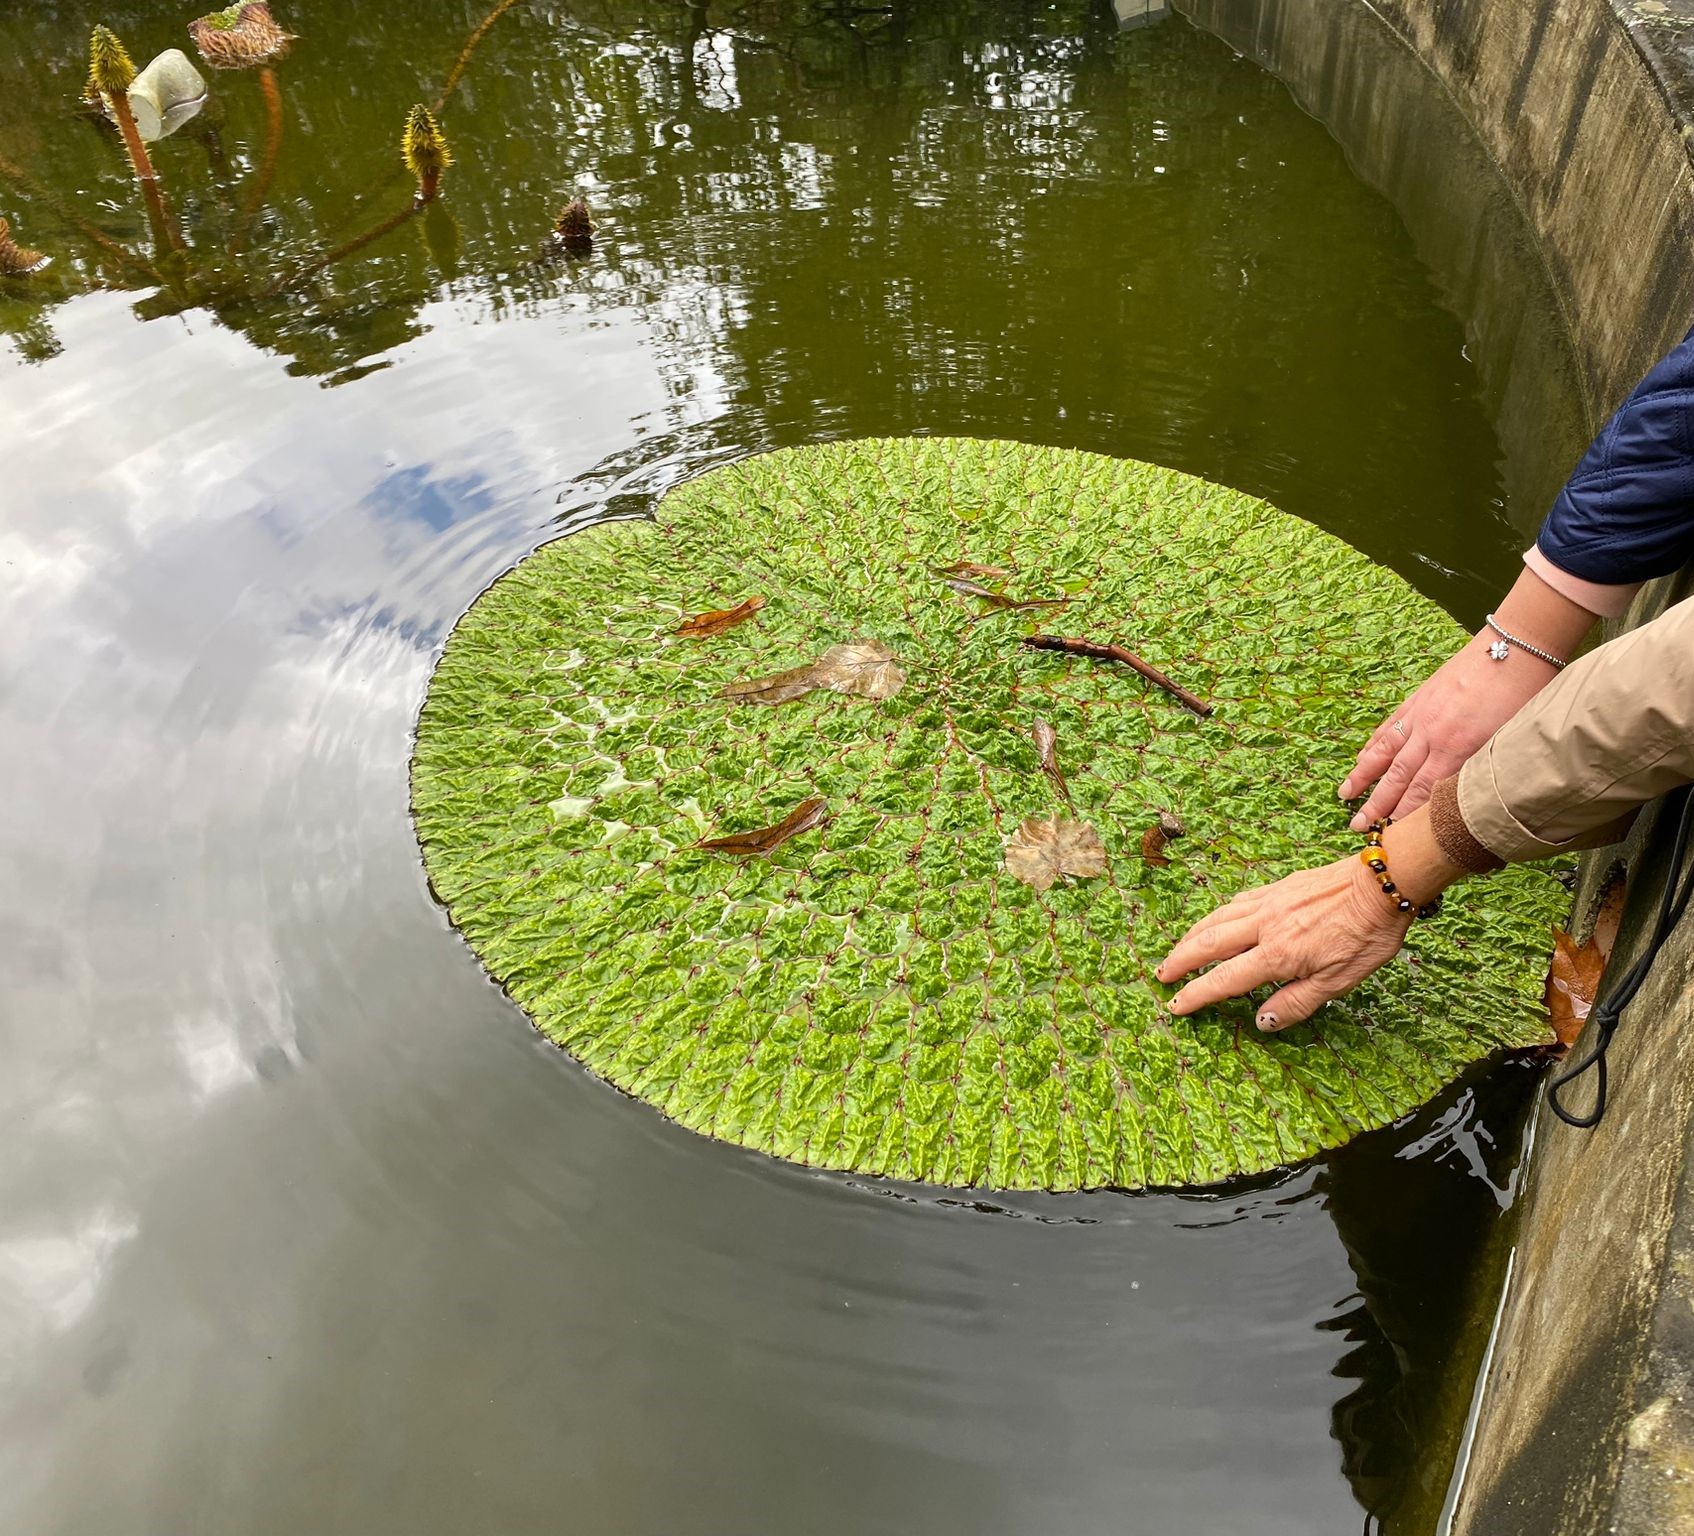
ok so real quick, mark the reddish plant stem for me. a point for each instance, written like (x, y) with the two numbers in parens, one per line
(255, 198)
(1107, 652)
(163, 230)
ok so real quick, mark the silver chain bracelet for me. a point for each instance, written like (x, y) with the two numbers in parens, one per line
(1502, 648)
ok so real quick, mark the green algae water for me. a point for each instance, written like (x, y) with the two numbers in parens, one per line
(301, 1225)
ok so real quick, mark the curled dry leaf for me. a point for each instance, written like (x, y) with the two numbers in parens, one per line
(971, 568)
(1153, 844)
(719, 619)
(1047, 751)
(864, 668)
(1042, 850)
(809, 813)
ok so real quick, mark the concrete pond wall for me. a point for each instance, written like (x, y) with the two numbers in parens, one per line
(1573, 133)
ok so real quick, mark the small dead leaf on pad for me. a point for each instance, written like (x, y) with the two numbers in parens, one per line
(1047, 751)
(1573, 982)
(720, 619)
(809, 813)
(1153, 842)
(1043, 849)
(866, 669)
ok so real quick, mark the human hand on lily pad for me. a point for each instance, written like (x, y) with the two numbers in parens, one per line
(1314, 935)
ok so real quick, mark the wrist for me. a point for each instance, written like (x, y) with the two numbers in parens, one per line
(1421, 871)
(1545, 618)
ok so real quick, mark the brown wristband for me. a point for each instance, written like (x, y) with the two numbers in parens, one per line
(1454, 838)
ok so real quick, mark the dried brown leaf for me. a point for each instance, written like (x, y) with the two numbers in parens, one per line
(1153, 842)
(1047, 752)
(1042, 850)
(1573, 982)
(864, 668)
(720, 619)
(807, 814)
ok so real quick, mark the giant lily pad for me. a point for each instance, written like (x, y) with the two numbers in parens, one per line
(876, 992)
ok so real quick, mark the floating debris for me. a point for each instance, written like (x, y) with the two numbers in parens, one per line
(1040, 851)
(242, 36)
(807, 814)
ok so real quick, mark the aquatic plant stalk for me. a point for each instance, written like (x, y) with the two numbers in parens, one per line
(110, 75)
(255, 199)
(45, 196)
(341, 252)
(456, 74)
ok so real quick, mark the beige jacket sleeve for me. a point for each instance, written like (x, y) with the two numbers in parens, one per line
(1611, 732)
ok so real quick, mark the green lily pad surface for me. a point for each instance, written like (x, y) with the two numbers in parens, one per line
(878, 993)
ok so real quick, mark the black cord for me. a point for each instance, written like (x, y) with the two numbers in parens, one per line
(1608, 1014)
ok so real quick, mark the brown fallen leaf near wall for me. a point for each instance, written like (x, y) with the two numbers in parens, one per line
(809, 813)
(1042, 850)
(719, 619)
(1573, 979)
(864, 668)
(1573, 982)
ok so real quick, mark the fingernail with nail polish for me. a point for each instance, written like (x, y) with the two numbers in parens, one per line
(1267, 1021)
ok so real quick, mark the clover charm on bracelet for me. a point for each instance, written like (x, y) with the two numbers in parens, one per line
(1499, 650)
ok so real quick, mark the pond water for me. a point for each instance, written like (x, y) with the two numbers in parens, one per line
(302, 1228)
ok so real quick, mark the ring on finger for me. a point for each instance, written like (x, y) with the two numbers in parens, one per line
(1398, 727)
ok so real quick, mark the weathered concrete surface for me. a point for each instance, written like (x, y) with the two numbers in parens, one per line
(1584, 1423)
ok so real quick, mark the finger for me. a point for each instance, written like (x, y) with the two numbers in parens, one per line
(1218, 943)
(1422, 787)
(1373, 758)
(1387, 793)
(1230, 979)
(1298, 1000)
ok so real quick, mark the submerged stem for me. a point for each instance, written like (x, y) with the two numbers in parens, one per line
(113, 248)
(255, 198)
(341, 252)
(455, 74)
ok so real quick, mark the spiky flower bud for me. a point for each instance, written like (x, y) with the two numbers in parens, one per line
(574, 226)
(240, 36)
(15, 259)
(110, 69)
(424, 147)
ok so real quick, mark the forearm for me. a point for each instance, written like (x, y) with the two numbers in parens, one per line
(1611, 732)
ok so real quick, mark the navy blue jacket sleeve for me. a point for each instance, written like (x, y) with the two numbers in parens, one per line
(1627, 512)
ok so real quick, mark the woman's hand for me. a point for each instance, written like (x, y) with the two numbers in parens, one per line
(1320, 932)
(1464, 703)
(1445, 720)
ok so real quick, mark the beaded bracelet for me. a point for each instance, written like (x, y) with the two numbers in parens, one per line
(1377, 863)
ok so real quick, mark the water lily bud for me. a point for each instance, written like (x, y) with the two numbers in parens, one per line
(574, 226)
(110, 69)
(424, 147)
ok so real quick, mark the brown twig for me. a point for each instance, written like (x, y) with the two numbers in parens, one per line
(1105, 652)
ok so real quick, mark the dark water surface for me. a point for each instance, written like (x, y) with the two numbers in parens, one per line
(302, 1229)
